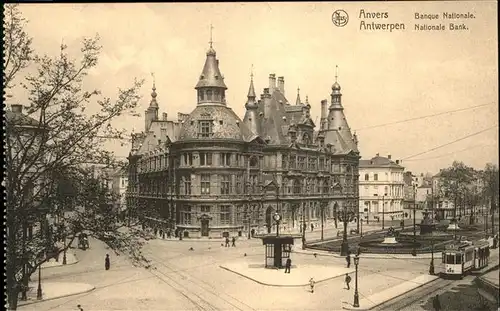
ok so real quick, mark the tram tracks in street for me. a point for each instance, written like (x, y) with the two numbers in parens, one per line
(196, 299)
(416, 295)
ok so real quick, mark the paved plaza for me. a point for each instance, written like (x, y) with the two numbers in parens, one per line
(185, 279)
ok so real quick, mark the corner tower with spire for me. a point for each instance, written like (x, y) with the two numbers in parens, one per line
(252, 114)
(211, 87)
(151, 114)
(336, 119)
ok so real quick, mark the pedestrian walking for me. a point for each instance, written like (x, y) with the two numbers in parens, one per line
(288, 264)
(311, 284)
(162, 235)
(436, 304)
(79, 307)
(169, 234)
(156, 232)
(107, 264)
(348, 259)
(347, 281)
(227, 241)
(312, 227)
(233, 242)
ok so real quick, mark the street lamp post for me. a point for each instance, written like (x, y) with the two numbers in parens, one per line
(414, 251)
(277, 219)
(322, 209)
(356, 295)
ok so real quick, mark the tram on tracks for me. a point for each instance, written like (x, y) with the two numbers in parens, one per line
(462, 258)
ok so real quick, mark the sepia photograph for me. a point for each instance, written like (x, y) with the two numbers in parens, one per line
(251, 156)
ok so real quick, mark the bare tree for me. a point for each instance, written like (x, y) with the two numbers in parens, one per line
(51, 143)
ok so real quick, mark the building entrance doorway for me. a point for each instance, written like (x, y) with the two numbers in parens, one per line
(204, 227)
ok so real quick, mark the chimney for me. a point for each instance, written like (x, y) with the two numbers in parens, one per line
(266, 93)
(272, 82)
(281, 85)
(17, 108)
(324, 107)
(389, 157)
(164, 116)
(377, 154)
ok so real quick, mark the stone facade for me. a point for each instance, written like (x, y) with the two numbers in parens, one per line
(212, 174)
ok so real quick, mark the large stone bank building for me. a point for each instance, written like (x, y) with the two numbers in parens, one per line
(211, 173)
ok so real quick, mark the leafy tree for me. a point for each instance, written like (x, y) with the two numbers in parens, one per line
(490, 190)
(50, 147)
(454, 181)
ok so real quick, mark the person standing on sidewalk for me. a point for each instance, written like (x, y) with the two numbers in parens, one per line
(227, 242)
(348, 259)
(233, 242)
(288, 264)
(347, 281)
(107, 264)
(311, 284)
(436, 304)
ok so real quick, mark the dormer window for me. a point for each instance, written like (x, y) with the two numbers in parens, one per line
(205, 129)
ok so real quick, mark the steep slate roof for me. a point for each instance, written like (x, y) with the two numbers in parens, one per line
(231, 128)
(379, 161)
(273, 127)
(20, 119)
(210, 75)
(159, 130)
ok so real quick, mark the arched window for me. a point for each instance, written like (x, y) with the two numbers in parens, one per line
(201, 96)
(216, 95)
(209, 94)
(306, 139)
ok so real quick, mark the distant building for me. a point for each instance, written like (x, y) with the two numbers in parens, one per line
(381, 188)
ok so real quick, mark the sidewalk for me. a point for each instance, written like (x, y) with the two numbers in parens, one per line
(299, 275)
(70, 260)
(55, 290)
(374, 300)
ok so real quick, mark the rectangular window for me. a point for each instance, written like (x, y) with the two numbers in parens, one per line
(188, 159)
(321, 164)
(238, 184)
(205, 208)
(205, 128)
(205, 184)
(225, 214)
(302, 163)
(225, 186)
(312, 164)
(205, 159)
(186, 215)
(293, 161)
(284, 162)
(187, 185)
(375, 177)
(225, 159)
(237, 160)
(296, 186)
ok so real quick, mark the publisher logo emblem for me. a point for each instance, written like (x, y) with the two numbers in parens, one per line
(340, 18)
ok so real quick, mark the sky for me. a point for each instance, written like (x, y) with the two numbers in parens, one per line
(386, 77)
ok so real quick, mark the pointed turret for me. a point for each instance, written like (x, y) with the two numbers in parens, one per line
(336, 118)
(251, 115)
(151, 113)
(297, 101)
(211, 87)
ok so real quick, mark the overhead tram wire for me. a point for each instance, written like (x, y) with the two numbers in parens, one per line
(423, 117)
(450, 153)
(451, 142)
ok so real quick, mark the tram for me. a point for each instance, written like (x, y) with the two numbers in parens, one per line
(465, 257)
